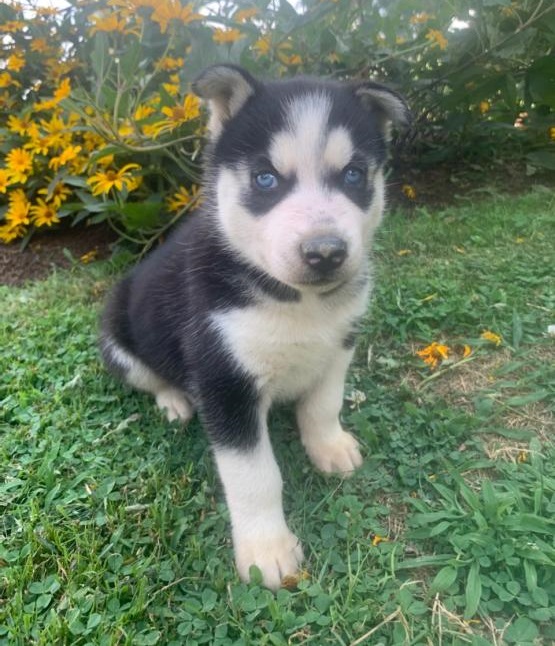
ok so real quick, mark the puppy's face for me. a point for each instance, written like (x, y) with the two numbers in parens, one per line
(296, 173)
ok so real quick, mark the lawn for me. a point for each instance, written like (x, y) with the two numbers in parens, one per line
(113, 528)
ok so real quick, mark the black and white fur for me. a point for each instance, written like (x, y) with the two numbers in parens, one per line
(254, 300)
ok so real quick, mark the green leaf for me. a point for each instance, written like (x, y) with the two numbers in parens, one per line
(544, 158)
(517, 329)
(141, 215)
(443, 579)
(425, 561)
(531, 575)
(530, 523)
(521, 630)
(540, 78)
(473, 591)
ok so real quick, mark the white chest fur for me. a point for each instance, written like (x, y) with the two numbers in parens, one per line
(288, 346)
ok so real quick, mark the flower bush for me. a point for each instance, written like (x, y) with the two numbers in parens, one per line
(97, 122)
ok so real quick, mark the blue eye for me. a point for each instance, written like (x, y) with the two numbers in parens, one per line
(265, 180)
(353, 176)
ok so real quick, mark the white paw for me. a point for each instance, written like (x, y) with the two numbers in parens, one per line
(276, 556)
(174, 404)
(339, 453)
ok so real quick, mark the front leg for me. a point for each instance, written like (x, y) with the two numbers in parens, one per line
(331, 449)
(236, 423)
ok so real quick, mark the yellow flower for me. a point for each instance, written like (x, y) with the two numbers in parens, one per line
(111, 22)
(262, 45)
(10, 232)
(143, 112)
(409, 191)
(522, 457)
(168, 63)
(38, 145)
(62, 92)
(166, 10)
(57, 135)
(12, 26)
(420, 18)
(551, 133)
(223, 36)
(171, 88)
(126, 129)
(88, 257)
(6, 80)
(377, 539)
(179, 200)
(44, 214)
(69, 154)
(177, 115)
(20, 164)
(433, 354)
(245, 14)
(19, 125)
(291, 59)
(467, 351)
(40, 45)
(18, 209)
(57, 195)
(15, 62)
(4, 180)
(104, 181)
(404, 252)
(92, 141)
(492, 337)
(484, 107)
(436, 38)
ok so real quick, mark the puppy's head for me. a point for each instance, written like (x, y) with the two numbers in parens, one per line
(295, 170)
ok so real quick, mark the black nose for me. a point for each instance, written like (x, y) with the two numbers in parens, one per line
(325, 253)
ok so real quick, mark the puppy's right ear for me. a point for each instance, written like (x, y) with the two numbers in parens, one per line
(226, 88)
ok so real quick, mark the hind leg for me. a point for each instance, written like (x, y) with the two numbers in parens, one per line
(132, 370)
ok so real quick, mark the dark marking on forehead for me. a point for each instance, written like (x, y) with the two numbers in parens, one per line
(265, 113)
(347, 111)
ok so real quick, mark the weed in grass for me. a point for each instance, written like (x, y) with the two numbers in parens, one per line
(112, 523)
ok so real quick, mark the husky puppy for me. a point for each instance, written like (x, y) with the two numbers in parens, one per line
(255, 299)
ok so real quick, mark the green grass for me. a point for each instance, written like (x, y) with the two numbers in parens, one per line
(112, 523)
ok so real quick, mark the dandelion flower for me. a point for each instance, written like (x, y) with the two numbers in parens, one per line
(434, 354)
(88, 257)
(409, 191)
(492, 337)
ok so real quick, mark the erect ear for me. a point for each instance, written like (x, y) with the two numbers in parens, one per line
(226, 88)
(388, 106)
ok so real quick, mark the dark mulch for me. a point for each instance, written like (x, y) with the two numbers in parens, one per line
(435, 187)
(45, 251)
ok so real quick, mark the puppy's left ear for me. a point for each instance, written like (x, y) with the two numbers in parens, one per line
(388, 106)
(226, 88)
